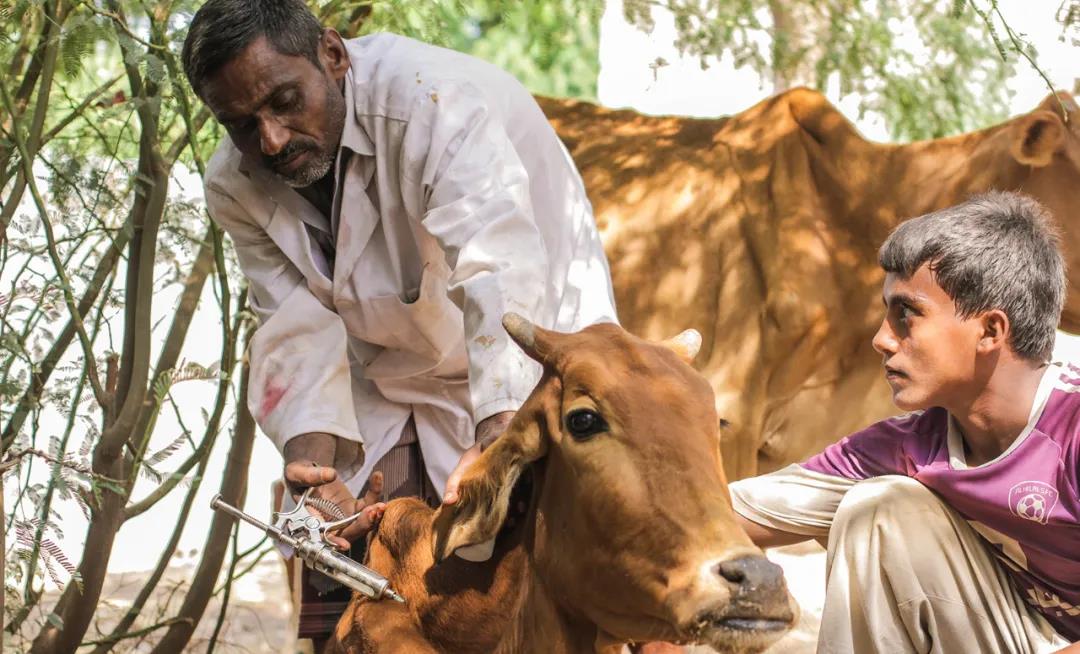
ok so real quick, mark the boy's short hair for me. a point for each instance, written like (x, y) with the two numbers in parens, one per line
(996, 251)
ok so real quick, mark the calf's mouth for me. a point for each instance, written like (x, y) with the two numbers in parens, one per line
(744, 627)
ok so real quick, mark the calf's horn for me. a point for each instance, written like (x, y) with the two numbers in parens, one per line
(686, 345)
(520, 329)
(535, 341)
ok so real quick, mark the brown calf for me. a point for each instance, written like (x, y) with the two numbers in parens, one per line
(607, 504)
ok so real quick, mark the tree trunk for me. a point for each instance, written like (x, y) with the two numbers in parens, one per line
(3, 558)
(233, 489)
(75, 608)
(791, 44)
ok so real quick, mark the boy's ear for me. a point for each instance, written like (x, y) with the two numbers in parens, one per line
(995, 330)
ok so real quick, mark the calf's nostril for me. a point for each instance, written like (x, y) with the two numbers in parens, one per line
(752, 573)
(732, 571)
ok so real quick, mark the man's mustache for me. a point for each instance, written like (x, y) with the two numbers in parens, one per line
(291, 149)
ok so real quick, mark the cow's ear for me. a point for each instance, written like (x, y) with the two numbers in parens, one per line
(1036, 137)
(484, 491)
(686, 345)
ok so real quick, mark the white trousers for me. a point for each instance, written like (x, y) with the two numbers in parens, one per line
(907, 574)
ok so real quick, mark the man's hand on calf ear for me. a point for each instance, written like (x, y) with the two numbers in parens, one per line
(487, 432)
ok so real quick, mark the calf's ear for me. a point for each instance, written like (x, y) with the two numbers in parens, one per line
(484, 492)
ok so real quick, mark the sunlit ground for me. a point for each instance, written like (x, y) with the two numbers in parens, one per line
(258, 619)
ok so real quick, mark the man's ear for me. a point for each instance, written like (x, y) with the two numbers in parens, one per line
(333, 55)
(1036, 137)
(996, 329)
(484, 492)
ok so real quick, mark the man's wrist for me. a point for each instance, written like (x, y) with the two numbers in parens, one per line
(319, 447)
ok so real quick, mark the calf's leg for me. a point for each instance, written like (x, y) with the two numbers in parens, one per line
(383, 627)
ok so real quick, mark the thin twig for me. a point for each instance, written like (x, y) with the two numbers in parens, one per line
(136, 634)
(122, 24)
(229, 578)
(69, 298)
(13, 459)
(1018, 46)
(77, 111)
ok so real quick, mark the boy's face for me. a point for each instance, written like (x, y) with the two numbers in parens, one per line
(929, 352)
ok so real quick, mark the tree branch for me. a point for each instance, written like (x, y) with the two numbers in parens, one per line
(174, 340)
(13, 459)
(1019, 47)
(136, 634)
(78, 111)
(228, 362)
(233, 489)
(45, 368)
(54, 256)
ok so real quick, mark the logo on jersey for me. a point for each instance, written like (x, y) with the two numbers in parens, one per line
(1033, 500)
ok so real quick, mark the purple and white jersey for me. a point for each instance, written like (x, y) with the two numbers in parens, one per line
(1024, 502)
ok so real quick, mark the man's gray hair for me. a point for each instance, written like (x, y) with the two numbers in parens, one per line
(222, 29)
(995, 251)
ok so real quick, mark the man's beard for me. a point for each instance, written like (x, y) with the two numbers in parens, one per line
(320, 160)
(318, 165)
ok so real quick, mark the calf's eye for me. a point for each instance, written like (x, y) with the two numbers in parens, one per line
(584, 423)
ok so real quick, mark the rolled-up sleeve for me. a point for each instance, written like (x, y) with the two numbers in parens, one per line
(300, 376)
(793, 499)
(802, 498)
(459, 158)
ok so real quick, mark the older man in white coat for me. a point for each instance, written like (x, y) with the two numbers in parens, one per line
(389, 201)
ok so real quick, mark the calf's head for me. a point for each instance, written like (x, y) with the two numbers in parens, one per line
(634, 530)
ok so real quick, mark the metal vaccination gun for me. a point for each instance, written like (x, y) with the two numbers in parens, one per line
(306, 533)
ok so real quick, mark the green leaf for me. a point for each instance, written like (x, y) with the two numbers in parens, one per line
(76, 44)
(155, 68)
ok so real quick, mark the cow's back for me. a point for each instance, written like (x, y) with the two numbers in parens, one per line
(734, 227)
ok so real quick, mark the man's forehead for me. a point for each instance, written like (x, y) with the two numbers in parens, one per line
(248, 79)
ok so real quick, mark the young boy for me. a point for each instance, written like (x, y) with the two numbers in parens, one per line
(956, 527)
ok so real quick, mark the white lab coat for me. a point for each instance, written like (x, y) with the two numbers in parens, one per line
(459, 204)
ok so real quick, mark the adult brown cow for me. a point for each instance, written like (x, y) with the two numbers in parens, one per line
(761, 231)
(597, 555)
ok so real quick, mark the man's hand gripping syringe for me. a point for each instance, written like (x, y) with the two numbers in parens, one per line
(306, 534)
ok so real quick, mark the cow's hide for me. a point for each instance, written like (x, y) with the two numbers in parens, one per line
(761, 231)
